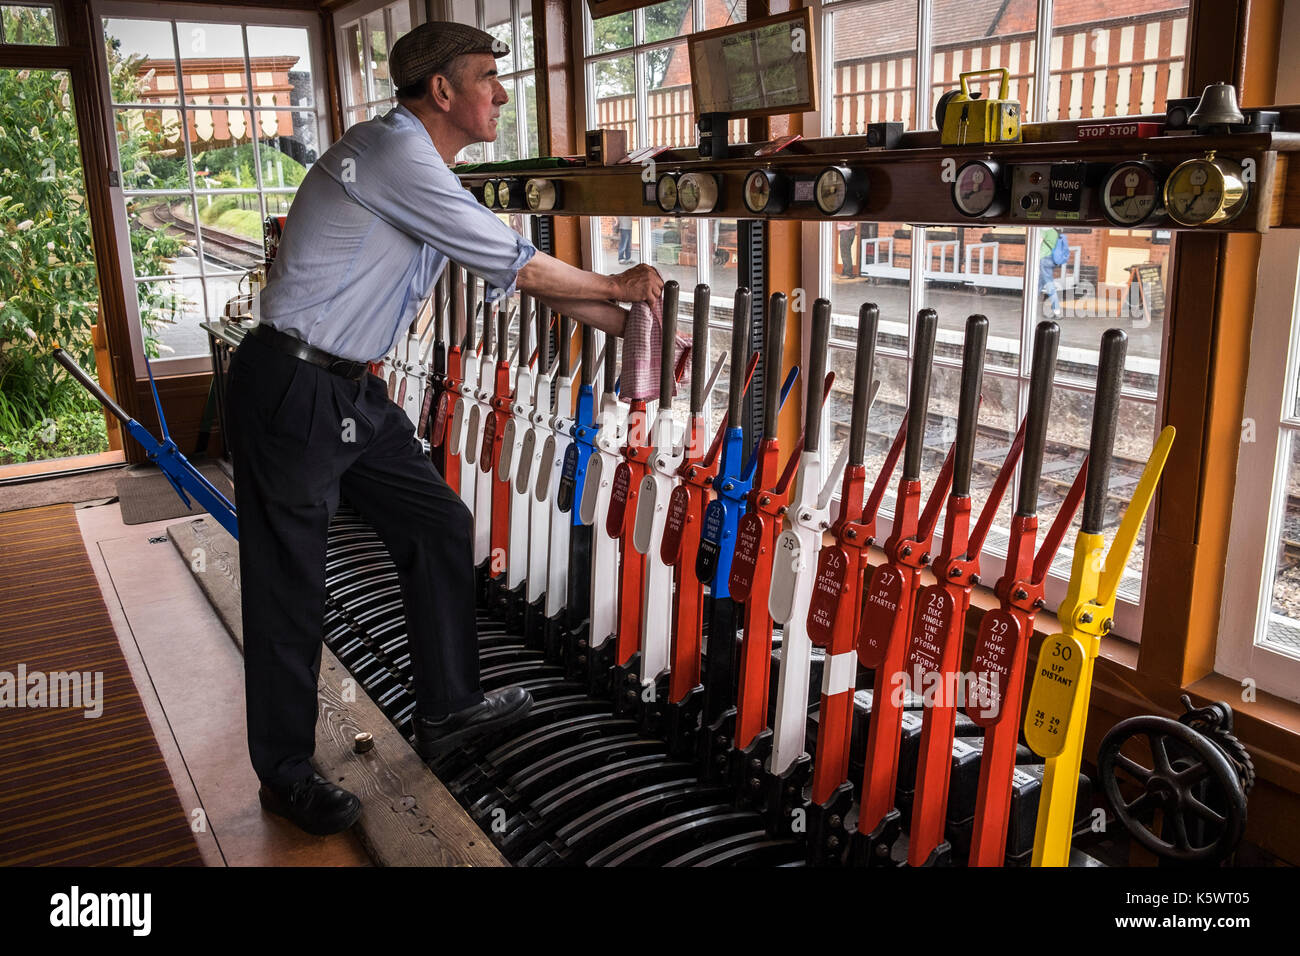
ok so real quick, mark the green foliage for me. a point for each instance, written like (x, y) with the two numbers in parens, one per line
(28, 25)
(662, 21)
(48, 280)
(78, 429)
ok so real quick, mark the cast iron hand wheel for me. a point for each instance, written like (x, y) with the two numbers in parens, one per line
(1199, 777)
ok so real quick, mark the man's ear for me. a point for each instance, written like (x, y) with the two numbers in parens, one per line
(440, 91)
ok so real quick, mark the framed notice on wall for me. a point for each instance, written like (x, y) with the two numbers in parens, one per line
(756, 68)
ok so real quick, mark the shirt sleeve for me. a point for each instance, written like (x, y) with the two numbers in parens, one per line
(405, 182)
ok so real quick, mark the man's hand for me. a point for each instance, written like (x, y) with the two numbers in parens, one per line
(641, 283)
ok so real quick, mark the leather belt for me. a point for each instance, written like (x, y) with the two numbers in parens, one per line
(291, 345)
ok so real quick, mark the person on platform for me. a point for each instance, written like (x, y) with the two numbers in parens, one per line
(1053, 251)
(373, 224)
(624, 240)
(848, 232)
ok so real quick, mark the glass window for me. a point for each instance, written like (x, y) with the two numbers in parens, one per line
(364, 45)
(28, 25)
(1099, 62)
(510, 21)
(1116, 63)
(200, 170)
(874, 66)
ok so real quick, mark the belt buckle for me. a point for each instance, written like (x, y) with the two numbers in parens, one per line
(344, 368)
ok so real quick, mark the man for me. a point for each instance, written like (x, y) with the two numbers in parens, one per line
(372, 226)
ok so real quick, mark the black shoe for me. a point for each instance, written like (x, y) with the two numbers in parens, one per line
(314, 805)
(434, 738)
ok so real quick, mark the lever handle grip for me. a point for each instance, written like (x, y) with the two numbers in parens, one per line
(1047, 338)
(918, 399)
(1105, 417)
(699, 348)
(868, 324)
(774, 346)
(968, 403)
(739, 355)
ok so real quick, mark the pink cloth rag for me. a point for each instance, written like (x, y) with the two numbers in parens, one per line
(643, 354)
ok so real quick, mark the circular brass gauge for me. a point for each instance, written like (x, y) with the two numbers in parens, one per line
(977, 189)
(766, 192)
(697, 192)
(1131, 194)
(840, 191)
(490, 193)
(542, 195)
(1200, 192)
(666, 192)
(510, 193)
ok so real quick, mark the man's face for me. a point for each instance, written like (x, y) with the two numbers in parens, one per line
(479, 96)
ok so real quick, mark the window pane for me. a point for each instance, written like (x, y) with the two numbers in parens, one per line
(673, 250)
(150, 150)
(474, 153)
(1068, 430)
(726, 261)
(498, 21)
(465, 11)
(1115, 65)
(354, 80)
(719, 342)
(524, 55)
(723, 14)
(1114, 278)
(280, 58)
(1283, 629)
(170, 312)
(878, 259)
(277, 204)
(875, 66)
(34, 26)
(980, 37)
(663, 21)
(162, 231)
(529, 86)
(399, 15)
(619, 245)
(212, 63)
(971, 269)
(999, 418)
(141, 61)
(231, 226)
(381, 87)
(288, 146)
(507, 141)
(886, 414)
(671, 119)
(611, 33)
(221, 143)
(615, 87)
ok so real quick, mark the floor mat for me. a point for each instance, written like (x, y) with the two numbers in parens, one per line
(79, 790)
(151, 497)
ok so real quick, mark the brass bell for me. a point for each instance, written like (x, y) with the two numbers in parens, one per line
(1218, 107)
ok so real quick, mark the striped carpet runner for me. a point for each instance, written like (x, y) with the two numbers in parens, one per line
(75, 790)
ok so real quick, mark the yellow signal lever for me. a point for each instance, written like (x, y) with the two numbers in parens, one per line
(1058, 700)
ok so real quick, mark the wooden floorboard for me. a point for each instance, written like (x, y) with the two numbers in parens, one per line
(408, 817)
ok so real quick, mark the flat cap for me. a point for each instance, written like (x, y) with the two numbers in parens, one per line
(431, 46)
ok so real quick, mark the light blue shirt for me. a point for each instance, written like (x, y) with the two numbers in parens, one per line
(371, 228)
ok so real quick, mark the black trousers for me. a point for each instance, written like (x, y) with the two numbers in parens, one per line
(300, 435)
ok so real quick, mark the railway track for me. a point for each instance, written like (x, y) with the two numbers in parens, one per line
(233, 251)
(1060, 460)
